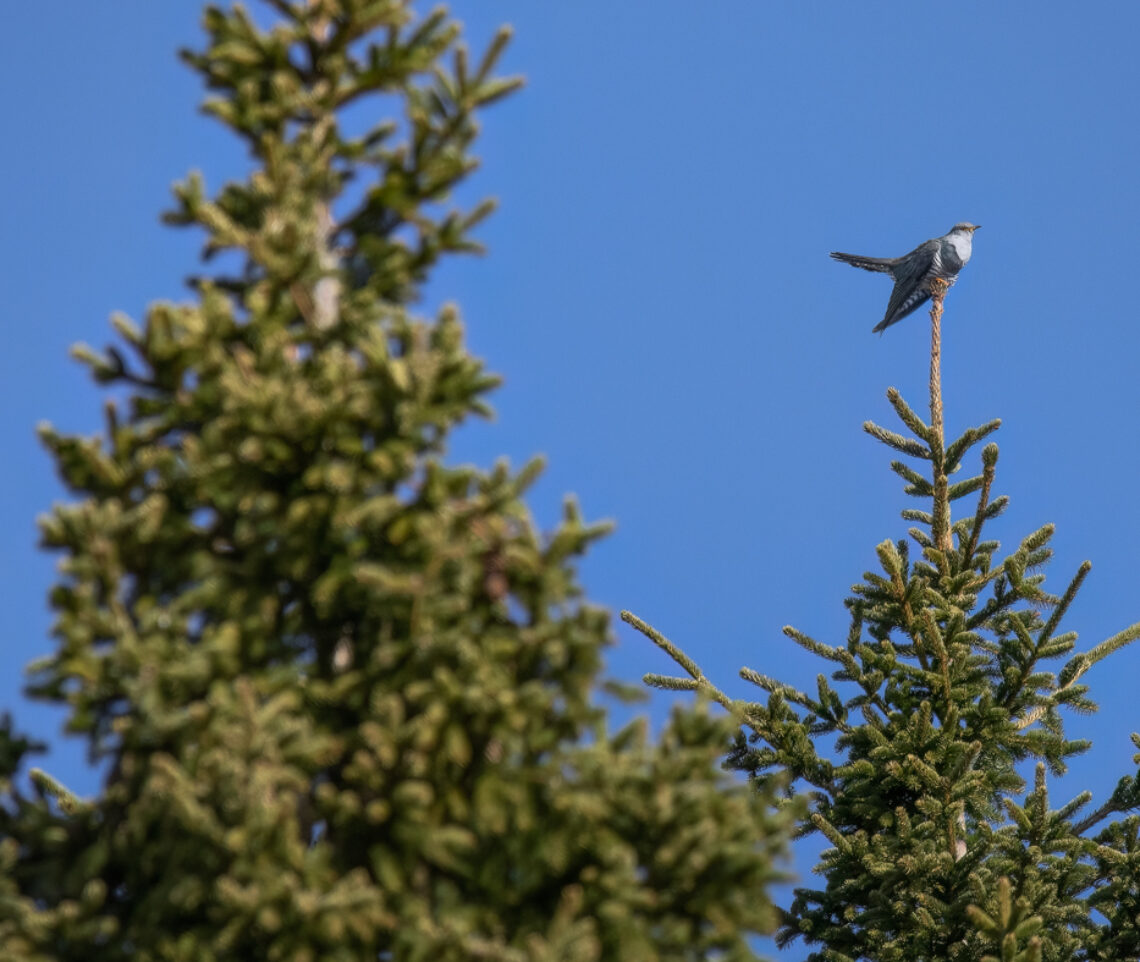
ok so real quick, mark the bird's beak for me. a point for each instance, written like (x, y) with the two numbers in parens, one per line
(975, 227)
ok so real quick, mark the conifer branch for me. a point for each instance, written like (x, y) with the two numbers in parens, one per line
(918, 485)
(968, 439)
(701, 683)
(69, 803)
(962, 488)
(1062, 606)
(1075, 668)
(897, 441)
(907, 415)
(785, 691)
(989, 469)
(815, 647)
(936, 642)
(1095, 818)
(1113, 644)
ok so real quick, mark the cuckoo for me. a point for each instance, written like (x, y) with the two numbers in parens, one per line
(941, 257)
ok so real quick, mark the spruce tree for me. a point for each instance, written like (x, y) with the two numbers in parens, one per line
(345, 695)
(955, 675)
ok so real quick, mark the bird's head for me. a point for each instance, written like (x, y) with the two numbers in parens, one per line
(964, 227)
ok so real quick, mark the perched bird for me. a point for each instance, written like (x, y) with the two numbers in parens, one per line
(941, 257)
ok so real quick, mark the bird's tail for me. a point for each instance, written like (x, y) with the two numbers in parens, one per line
(884, 324)
(883, 265)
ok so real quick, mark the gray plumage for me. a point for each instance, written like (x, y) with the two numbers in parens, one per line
(941, 257)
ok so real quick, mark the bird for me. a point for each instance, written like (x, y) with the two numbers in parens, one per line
(940, 257)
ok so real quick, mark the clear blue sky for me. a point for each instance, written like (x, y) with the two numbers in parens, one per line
(658, 293)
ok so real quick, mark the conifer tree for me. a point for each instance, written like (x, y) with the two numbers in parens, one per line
(954, 672)
(345, 695)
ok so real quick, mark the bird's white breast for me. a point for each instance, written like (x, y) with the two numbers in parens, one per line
(963, 244)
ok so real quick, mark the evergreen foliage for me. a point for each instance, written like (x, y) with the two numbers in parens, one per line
(954, 672)
(344, 694)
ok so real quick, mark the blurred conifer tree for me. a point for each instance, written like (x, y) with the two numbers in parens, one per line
(346, 695)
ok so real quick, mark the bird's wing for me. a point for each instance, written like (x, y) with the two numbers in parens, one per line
(909, 291)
